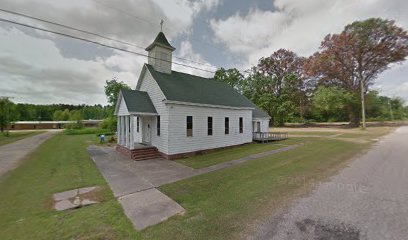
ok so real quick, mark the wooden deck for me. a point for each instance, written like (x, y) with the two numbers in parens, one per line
(269, 136)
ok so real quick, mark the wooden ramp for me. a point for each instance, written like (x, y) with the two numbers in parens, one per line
(269, 136)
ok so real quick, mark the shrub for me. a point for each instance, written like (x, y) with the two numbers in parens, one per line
(83, 131)
(109, 123)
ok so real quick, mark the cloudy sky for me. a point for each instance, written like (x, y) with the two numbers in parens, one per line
(43, 68)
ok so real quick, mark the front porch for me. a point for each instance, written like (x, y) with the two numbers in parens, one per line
(135, 137)
(136, 116)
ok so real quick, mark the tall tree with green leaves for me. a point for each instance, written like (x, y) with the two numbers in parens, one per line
(231, 77)
(276, 84)
(112, 89)
(6, 113)
(353, 59)
(329, 103)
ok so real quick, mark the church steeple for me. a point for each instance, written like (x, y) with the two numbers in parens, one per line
(160, 53)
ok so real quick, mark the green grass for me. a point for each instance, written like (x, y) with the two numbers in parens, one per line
(60, 164)
(317, 133)
(224, 204)
(233, 153)
(15, 136)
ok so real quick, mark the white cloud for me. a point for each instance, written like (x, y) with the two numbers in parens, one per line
(246, 34)
(181, 13)
(186, 52)
(298, 25)
(135, 21)
(394, 82)
(39, 67)
(41, 74)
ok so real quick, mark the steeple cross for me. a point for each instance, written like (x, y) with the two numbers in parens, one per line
(161, 25)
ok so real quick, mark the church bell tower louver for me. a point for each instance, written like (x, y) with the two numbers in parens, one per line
(160, 53)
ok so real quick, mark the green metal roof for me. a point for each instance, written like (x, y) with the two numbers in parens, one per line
(162, 41)
(184, 87)
(138, 101)
(259, 113)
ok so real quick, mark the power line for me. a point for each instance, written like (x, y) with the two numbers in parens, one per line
(125, 12)
(90, 33)
(149, 22)
(68, 27)
(98, 43)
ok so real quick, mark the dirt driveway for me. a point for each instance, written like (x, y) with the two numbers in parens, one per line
(11, 154)
(367, 200)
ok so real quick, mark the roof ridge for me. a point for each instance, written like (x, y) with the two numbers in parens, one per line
(210, 78)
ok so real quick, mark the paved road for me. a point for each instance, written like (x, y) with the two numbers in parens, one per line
(367, 200)
(11, 154)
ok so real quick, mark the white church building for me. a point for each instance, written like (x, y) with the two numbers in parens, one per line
(175, 114)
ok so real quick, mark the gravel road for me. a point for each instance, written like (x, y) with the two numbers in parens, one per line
(11, 154)
(366, 200)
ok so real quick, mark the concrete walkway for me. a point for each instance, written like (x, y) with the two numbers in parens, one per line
(366, 200)
(134, 182)
(11, 154)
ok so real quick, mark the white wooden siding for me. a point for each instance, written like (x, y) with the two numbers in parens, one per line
(180, 143)
(155, 59)
(122, 111)
(150, 86)
(265, 125)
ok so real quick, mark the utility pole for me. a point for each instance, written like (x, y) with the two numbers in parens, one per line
(363, 105)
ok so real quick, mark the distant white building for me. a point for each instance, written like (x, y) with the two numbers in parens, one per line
(175, 114)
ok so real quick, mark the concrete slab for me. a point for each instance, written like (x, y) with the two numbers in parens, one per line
(73, 198)
(149, 207)
(65, 195)
(86, 190)
(65, 205)
(121, 179)
(87, 202)
(160, 171)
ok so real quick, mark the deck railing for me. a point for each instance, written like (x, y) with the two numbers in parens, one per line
(269, 136)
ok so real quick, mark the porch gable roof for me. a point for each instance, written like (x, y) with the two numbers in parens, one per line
(138, 102)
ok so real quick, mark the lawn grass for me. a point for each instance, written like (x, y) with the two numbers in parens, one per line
(224, 204)
(59, 164)
(15, 136)
(233, 153)
(317, 133)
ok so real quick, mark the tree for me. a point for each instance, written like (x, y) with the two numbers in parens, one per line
(231, 76)
(6, 113)
(57, 116)
(329, 103)
(112, 89)
(354, 58)
(277, 85)
(397, 108)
